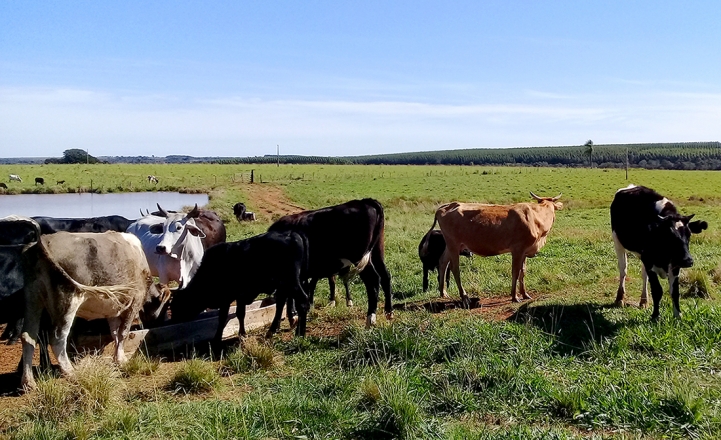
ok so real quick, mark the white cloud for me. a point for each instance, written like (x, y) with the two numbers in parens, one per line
(44, 122)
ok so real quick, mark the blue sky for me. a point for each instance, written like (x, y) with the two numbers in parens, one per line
(345, 78)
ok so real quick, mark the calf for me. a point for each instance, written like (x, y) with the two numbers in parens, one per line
(430, 251)
(39, 180)
(350, 234)
(152, 179)
(60, 182)
(240, 271)
(241, 214)
(488, 230)
(15, 177)
(90, 276)
(646, 223)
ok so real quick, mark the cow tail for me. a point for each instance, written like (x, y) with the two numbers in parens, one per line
(424, 249)
(115, 294)
(379, 231)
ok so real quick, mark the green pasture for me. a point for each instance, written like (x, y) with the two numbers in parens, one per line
(566, 365)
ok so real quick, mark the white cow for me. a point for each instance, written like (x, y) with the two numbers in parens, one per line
(172, 244)
(15, 177)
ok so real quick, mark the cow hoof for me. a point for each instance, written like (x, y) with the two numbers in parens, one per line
(389, 316)
(619, 303)
(349, 303)
(527, 296)
(292, 321)
(515, 299)
(466, 302)
(371, 320)
(28, 385)
(269, 334)
(331, 304)
(643, 304)
(444, 295)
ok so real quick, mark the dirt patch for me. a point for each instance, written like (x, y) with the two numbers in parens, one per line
(269, 201)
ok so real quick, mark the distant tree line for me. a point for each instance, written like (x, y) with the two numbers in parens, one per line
(684, 156)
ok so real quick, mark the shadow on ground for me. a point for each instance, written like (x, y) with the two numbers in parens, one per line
(573, 326)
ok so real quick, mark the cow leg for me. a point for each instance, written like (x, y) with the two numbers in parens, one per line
(644, 288)
(656, 293)
(331, 287)
(673, 288)
(443, 273)
(622, 270)
(303, 306)
(222, 320)
(291, 312)
(346, 284)
(455, 266)
(425, 278)
(379, 266)
(280, 301)
(371, 279)
(119, 329)
(29, 337)
(240, 314)
(59, 337)
(448, 277)
(516, 267)
(310, 288)
(522, 280)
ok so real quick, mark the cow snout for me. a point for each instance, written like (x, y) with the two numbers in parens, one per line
(161, 250)
(687, 262)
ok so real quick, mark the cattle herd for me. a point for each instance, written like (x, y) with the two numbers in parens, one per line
(104, 267)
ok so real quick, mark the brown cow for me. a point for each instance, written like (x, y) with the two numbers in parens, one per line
(488, 230)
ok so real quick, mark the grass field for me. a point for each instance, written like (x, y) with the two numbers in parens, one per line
(566, 365)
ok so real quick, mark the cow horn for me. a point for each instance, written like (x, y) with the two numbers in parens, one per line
(163, 213)
(194, 213)
(557, 197)
(141, 212)
(536, 197)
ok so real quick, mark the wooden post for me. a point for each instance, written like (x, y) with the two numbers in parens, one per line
(626, 163)
(252, 176)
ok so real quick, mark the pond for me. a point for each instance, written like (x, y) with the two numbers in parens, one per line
(95, 205)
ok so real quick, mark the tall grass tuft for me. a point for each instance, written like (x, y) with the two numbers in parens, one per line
(54, 400)
(99, 384)
(253, 355)
(195, 376)
(393, 408)
(698, 283)
(140, 364)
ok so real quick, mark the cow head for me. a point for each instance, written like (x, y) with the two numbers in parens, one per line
(670, 238)
(552, 201)
(155, 302)
(176, 230)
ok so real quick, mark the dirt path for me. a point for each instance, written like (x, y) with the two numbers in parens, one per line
(269, 201)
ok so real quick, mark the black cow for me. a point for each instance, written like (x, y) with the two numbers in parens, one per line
(240, 271)
(50, 225)
(39, 180)
(430, 250)
(646, 223)
(344, 235)
(3, 185)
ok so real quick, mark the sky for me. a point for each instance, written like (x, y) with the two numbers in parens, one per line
(340, 78)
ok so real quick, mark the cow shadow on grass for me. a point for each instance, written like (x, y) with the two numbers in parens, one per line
(438, 305)
(575, 327)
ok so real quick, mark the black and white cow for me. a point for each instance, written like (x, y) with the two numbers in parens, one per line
(646, 223)
(350, 234)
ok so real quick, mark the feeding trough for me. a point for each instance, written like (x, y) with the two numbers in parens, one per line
(176, 337)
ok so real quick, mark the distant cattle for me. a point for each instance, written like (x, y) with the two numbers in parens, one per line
(350, 234)
(430, 251)
(90, 276)
(51, 225)
(152, 179)
(240, 271)
(172, 244)
(241, 214)
(646, 223)
(3, 185)
(60, 182)
(15, 177)
(39, 180)
(488, 230)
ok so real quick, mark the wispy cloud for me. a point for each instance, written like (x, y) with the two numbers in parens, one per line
(44, 122)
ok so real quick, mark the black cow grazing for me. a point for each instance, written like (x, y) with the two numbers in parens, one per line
(646, 223)
(3, 185)
(240, 271)
(344, 235)
(60, 182)
(39, 180)
(430, 250)
(50, 225)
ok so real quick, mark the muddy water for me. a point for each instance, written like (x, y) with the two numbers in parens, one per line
(95, 205)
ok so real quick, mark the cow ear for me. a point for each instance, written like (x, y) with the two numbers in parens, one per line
(195, 231)
(698, 226)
